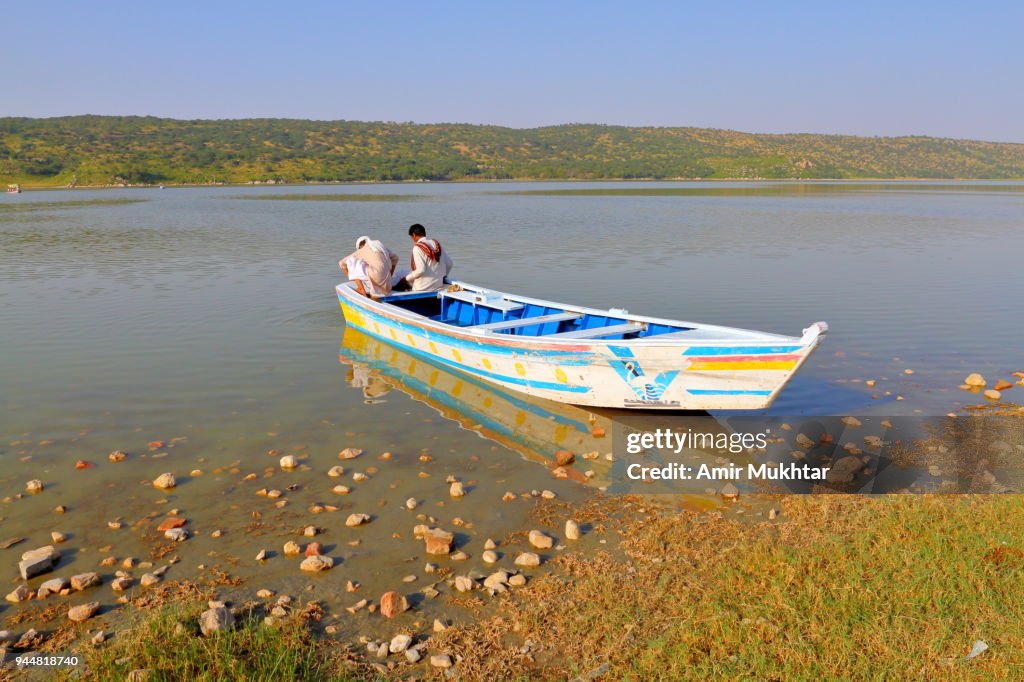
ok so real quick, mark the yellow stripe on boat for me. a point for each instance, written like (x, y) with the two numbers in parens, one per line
(722, 366)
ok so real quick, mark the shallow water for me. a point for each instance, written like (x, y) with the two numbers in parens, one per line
(207, 319)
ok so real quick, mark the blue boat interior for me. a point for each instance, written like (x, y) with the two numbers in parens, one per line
(497, 314)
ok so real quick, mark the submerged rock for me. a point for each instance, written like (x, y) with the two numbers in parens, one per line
(165, 481)
(349, 453)
(288, 462)
(975, 380)
(457, 489)
(438, 541)
(528, 559)
(317, 563)
(357, 520)
(84, 581)
(83, 611)
(19, 594)
(34, 486)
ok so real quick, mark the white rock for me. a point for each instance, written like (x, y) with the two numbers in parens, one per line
(176, 534)
(336, 472)
(289, 462)
(34, 486)
(216, 620)
(411, 503)
(457, 489)
(528, 559)
(572, 530)
(165, 481)
(399, 643)
(316, 563)
(441, 661)
(489, 556)
(357, 520)
(541, 540)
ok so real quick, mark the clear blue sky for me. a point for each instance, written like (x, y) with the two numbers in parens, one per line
(869, 68)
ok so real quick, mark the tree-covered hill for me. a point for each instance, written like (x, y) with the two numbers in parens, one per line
(104, 150)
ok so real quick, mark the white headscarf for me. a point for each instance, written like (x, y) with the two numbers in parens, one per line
(374, 244)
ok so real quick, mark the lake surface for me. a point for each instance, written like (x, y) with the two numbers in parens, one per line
(205, 319)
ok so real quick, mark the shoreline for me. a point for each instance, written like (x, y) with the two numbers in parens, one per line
(487, 181)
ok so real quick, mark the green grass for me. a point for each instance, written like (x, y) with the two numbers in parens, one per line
(168, 643)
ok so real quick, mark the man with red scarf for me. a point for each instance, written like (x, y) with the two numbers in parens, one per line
(430, 263)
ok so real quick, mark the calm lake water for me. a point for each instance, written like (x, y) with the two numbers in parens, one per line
(206, 318)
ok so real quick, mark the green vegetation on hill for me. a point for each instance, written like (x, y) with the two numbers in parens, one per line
(103, 150)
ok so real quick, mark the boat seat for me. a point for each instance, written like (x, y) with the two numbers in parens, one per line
(525, 322)
(598, 332)
(484, 299)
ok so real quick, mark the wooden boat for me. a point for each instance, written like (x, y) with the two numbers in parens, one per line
(14, 189)
(585, 356)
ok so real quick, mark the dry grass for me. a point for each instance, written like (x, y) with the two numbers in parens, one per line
(847, 588)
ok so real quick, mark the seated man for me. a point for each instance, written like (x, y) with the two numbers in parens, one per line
(370, 267)
(430, 264)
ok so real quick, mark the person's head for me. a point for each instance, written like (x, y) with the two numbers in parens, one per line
(361, 242)
(417, 232)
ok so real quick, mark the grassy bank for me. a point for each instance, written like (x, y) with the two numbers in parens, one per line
(837, 588)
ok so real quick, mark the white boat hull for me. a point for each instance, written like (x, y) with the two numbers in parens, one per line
(718, 369)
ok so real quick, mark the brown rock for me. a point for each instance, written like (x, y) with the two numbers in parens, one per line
(1002, 385)
(564, 458)
(85, 580)
(313, 549)
(83, 611)
(316, 563)
(392, 604)
(438, 541)
(172, 522)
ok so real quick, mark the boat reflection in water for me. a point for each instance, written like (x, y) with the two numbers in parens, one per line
(533, 427)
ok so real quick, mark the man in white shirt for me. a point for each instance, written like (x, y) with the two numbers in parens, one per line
(430, 263)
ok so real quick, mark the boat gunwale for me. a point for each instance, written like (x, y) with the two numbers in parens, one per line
(541, 342)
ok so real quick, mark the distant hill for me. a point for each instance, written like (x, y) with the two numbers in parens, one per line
(106, 150)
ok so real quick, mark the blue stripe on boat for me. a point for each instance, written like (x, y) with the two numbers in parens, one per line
(713, 391)
(739, 350)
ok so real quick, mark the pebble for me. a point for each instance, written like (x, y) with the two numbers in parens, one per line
(358, 606)
(176, 534)
(349, 453)
(340, 490)
(83, 611)
(430, 568)
(291, 548)
(52, 586)
(463, 583)
(357, 520)
(164, 481)
(992, 394)
(313, 549)
(336, 472)
(411, 503)
(392, 604)
(317, 563)
(58, 537)
(149, 579)
(508, 497)
(564, 458)
(439, 626)
(37, 561)
(116, 456)
(413, 655)
(399, 643)
(528, 559)
(261, 555)
(540, 540)
(289, 462)
(572, 530)
(975, 380)
(19, 594)
(359, 477)
(548, 495)
(490, 544)
(438, 541)
(441, 661)
(459, 556)
(457, 489)
(489, 556)
(729, 492)
(265, 593)
(517, 580)
(120, 584)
